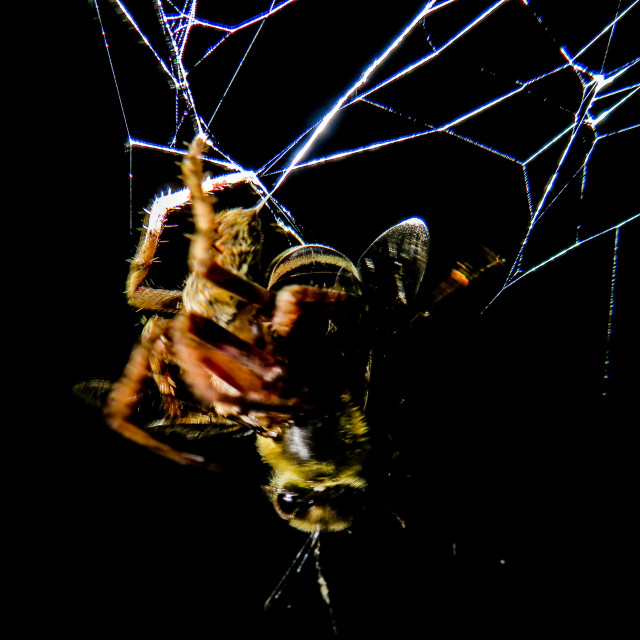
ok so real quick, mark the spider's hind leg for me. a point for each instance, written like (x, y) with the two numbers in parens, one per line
(125, 395)
(159, 359)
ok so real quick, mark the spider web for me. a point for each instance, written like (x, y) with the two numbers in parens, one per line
(596, 103)
(510, 124)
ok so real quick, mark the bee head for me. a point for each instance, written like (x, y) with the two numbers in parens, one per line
(330, 508)
(317, 463)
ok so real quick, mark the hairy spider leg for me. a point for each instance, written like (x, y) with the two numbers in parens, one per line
(202, 250)
(151, 298)
(159, 359)
(177, 411)
(125, 395)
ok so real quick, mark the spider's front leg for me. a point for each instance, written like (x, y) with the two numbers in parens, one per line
(138, 294)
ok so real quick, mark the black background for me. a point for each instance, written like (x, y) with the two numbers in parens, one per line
(517, 457)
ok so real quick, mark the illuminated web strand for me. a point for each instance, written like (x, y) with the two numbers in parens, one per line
(441, 128)
(608, 47)
(445, 128)
(560, 254)
(595, 121)
(361, 81)
(381, 106)
(619, 131)
(230, 30)
(238, 67)
(547, 145)
(535, 213)
(211, 49)
(178, 79)
(339, 155)
(145, 40)
(436, 52)
(226, 164)
(266, 168)
(607, 112)
(191, 21)
(185, 21)
(620, 90)
(113, 71)
(177, 45)
(218, 26)
(594, 93)
(182, 33)
(482, 145)
(582, 117)
(609, 26)
(612, 304)
(122, 110)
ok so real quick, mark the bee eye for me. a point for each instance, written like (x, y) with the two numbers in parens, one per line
(288, 502)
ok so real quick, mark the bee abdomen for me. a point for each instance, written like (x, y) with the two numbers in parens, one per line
(316, 265)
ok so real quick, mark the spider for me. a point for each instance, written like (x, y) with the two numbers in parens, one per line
(216, 295)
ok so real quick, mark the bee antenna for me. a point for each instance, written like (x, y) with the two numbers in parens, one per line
(324, 587)
(297, 564)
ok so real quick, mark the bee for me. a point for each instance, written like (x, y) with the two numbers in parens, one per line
(288, 360)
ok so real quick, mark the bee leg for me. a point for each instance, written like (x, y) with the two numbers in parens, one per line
(124, 397)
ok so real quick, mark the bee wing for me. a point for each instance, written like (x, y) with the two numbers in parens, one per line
(93, 392)
(193, 425)
(393, 267)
